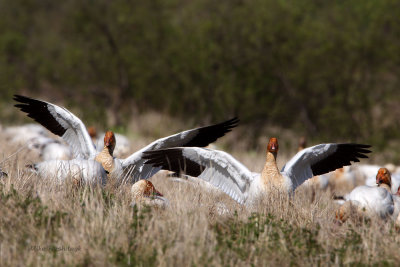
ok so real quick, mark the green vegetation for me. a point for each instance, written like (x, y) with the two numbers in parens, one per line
(145, 240)
(325, 68)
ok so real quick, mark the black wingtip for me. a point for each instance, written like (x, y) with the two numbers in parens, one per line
(23, 99)
(173, 160)
(338, 197)
(210, 134)
(343, 156)
(39, 111)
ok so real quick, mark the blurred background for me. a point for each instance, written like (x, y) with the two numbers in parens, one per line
(328, 70)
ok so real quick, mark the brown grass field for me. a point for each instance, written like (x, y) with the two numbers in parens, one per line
(49, 224)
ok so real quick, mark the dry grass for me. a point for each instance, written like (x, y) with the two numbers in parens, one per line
(47, 224)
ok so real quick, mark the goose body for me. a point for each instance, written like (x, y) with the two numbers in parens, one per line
(232, 177)
(55, 150)
(374, 199)
(396, 204)
(80, 170)
(63, 123)
(25, 133)
(370, 200)
(50, 148)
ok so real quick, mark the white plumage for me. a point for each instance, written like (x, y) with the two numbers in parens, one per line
(54, 151)
(225, 172)
(82, 170)
(370, 181)
(63, 123)
(375, 200)
(24, 133)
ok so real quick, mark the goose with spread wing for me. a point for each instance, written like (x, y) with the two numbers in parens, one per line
(223, 171)
(63, 123)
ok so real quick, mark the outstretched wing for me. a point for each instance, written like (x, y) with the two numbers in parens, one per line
(216, 167)
(60, 122)
(198, 137)
(323, 158)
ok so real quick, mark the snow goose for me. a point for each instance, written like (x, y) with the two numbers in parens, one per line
(25, 133)
(37, 139)
(80, 171)
(368, 200)
(223, 171)
(122, 142)
(55, 150)
(395, 181)
(144, 192)
(364, 172)
(50, 148)
(63, 123)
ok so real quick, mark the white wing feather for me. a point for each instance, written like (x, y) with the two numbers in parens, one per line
(76, 134)
(298, 169)
(376, 199)
(134, 164)
(222, 171)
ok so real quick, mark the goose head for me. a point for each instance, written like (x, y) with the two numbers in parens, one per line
(383, 177)
(92, 132)
(109, 141)
(145, 188)
(144, 192)
(273, 146)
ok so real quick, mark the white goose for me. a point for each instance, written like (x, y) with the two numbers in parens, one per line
(395, 181)
(144, 192)
(370, 200)
(223, 171)
(87, 171)
(36, 138)
(63, 123)
(50, 148)
(25, 133)
(122, 142)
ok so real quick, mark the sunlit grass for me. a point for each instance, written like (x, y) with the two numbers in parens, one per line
(46, 223)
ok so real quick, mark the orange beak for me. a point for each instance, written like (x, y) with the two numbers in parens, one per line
(378, 179)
